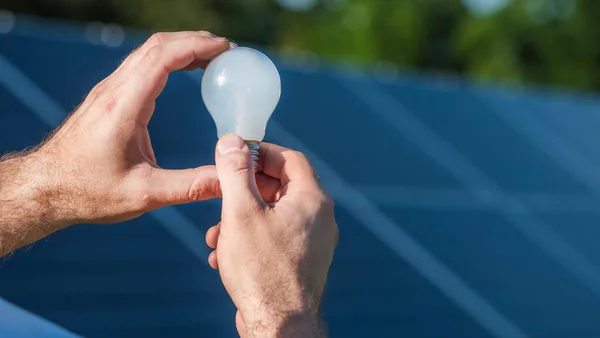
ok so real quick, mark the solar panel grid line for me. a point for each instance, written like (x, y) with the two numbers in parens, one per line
(579, 129)
(13, 79)
(48, 110)
(560, 150)
(459, 166)
(564, 154)
(16, 322)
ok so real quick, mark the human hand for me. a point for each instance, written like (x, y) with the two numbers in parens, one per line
(99, 166)
(273, 246)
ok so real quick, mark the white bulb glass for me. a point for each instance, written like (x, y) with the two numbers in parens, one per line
(241, 89)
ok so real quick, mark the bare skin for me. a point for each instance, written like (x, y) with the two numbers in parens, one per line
(283, 226)
(99, 167)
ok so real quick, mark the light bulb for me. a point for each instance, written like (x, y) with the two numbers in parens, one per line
(241, 89)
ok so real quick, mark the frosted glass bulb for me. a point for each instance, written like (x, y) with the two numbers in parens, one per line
(241, 89)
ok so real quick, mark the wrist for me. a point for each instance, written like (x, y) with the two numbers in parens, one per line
(295, 315)
(25, 204)
(304, 324)
(33, 185)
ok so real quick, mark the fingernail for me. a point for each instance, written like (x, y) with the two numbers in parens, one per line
(230, 143)
(232, 44)
(218, 38)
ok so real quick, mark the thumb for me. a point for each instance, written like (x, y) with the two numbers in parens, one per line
(168, 187)
(235, 171)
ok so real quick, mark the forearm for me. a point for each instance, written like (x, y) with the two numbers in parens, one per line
(26, 211)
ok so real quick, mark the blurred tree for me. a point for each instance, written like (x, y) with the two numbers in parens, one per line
(545, 41)
(548, 41)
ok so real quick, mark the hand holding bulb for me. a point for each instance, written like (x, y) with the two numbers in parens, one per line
(276, 238)
(275, 242)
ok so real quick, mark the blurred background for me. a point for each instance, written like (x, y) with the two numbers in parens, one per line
(458, 139)
(532, 41)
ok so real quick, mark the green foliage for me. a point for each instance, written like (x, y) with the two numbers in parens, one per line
(542, 41)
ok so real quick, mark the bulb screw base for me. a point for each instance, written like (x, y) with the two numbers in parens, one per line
(254, 150)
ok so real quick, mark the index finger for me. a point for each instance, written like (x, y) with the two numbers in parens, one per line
(156, 39)
(152, 72)
(289, 166)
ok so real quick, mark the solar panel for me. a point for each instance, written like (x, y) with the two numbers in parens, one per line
(455, 204)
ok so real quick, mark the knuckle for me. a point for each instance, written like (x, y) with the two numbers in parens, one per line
(327, 203)
(100, 87)
(147, 202)
(193, 39)
(108, 103)
(302, 160)
(314, 202)
(105, 94)
(97, 90)
(153, 54)
(139, 191)
(299, 156)
(200, 41)
(156, 39)
(196, 192)
(321, 203)
(199, 191)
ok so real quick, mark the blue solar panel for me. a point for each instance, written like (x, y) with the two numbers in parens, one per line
(504, 251)
(468, 123)
(18, 127)
(336, 125)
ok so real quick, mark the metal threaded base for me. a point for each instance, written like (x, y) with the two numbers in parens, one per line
(254, 150)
